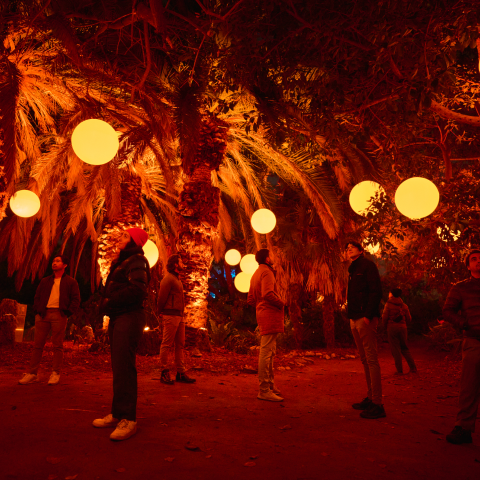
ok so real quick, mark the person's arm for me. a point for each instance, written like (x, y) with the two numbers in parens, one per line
(452, 307)
(37, 298)
(165, 287)
(251, 297)
(268, 290)
(137, 287)
(374, 291)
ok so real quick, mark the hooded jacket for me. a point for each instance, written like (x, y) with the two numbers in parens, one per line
(364, 289)
(264, 297)
(69, 295)
(127, 283)
(393, 309)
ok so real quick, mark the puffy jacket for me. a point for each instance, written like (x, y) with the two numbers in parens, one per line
(462, 306)
(69, 295)
(393, 309)
(364, 289)
(170, 297)
(264, 297)
(127, 284)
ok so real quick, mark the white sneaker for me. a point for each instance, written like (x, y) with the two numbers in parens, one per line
(28, 378)
(269, 396)
(275, 390)
(125, 429)
(54, 378)
(105, 422)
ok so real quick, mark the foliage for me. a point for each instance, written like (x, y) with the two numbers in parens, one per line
(444, 337)
(220, 333)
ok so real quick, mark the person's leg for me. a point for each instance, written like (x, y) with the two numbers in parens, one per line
(42, 327)
(180, 346)
(269, 372)
(170, 324)
(267, 343)
(59, 324)
(469, 397)
(405, 350)
(126, 332)
(368, 335)
(393, 333)
(363, 357)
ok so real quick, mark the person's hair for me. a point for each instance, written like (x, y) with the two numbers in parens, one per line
(131, 244)
(261, 256)
(355, 244)
(172, 262)
(396, 292)
(64, 258)
(470, 253)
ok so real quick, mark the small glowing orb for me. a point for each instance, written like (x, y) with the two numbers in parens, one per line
(95, 142)
(362, 194)
(445, 234)
(24, 203)
(242, 282)
(372, 249)
(233, 257)
(263, 221)
(248, 264)
(150, 251)
(417, 198)
(146, 329)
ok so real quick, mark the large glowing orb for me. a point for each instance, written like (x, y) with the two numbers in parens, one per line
(150, 250)
(233, 257)
(24, 203)
(362, 194)
(95, 142)
(248, 264)
(417, 198)
(242, 282)
(263, 221)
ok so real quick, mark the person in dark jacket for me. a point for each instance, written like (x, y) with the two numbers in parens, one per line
(394, 320)
(57, 297)
(171, 305)
(125, 290)
(462, 308)
(363, 309)
(263, 295)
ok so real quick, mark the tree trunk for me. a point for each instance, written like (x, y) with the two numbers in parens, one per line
(294, 299)
(3, 192)
(329, 320)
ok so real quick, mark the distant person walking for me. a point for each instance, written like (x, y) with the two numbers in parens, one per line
(263, 295)
(125, 291)
(171, 305)
(363, 309)
(462, 308)
(395, 317)
(57, 297)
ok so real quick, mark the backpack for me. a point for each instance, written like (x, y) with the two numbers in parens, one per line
(399, 317)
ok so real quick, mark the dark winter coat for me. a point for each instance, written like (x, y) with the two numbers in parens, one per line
(69, 295)
(170, 296)
(127, 284)
(364, 290)
(394, 309)
(264, 297)
(462, 306)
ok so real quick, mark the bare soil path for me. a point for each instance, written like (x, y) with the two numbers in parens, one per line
(217, 429)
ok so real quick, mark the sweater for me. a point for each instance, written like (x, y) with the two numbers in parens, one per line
(170, 296)
(393, 309)
(69, 295)
(264, 297)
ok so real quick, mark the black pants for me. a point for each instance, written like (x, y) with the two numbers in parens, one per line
(125, 332)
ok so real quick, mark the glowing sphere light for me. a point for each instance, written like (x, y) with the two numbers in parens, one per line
(361, 196)
(248, 264)
(417, 198)
(150, 250)
(95, 142)
(233, 257)
(24, 203)
(263, 221)
(242, 282)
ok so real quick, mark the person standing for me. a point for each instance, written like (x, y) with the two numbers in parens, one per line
(462, 308)
(125, 290)
(395, 317)
(57, 297)
(171, 305)
(364, 294)
(263, 295)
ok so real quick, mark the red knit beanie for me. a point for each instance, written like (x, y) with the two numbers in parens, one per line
(138, 235)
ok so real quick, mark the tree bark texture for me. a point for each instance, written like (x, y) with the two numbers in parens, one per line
(198, 220)
(329, 320)
(3, 192)
(294, 300)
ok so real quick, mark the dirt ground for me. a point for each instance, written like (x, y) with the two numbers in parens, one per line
(218, 429)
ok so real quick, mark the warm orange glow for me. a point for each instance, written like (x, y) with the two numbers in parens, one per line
(362, 194)
(242, 282)
(248, 264)
(146, 329)
(443, 235)
(150, 250)
(233, 257)
(373, 249)
(263, 221)
(24, 203)
(417, 198)
(95, 142)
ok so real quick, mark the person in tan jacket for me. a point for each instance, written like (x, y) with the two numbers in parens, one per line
(269, 308)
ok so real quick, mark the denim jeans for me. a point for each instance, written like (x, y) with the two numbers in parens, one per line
(173, 334)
